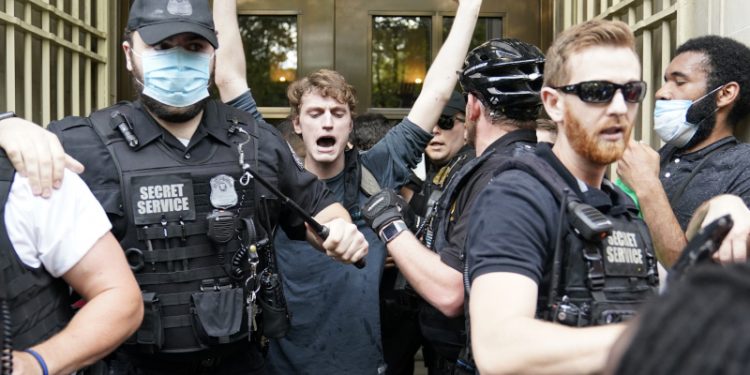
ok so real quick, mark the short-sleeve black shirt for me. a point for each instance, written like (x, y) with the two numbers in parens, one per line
(514, 221)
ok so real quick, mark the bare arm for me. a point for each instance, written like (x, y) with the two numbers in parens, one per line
(231, 74)
(441, 78)
(734, 246)
(506, 339)
(344, 241)
(639, 169)
(438, 283)
(36, 154)
(113, 311)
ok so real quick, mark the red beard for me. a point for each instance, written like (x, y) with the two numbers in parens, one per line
(586, 142)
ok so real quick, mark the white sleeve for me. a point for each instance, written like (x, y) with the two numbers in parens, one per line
(55, 232)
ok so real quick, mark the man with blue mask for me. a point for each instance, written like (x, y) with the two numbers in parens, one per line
(176, 174)
(705, 96)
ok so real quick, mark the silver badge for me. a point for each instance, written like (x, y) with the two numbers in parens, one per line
(223, 195)
(179, 8)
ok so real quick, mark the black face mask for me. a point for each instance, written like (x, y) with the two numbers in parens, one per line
(703, 114)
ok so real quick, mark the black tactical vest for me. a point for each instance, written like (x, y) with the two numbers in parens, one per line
(39, 303)
(193, 287)
(592, 280)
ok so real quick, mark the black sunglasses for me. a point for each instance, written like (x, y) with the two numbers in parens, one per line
(447, 122)
(604, 91)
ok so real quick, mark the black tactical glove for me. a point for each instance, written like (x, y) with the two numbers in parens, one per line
(383, 208)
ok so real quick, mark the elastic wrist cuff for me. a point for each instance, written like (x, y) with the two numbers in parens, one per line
(39, 359)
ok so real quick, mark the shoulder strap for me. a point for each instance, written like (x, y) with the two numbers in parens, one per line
(542, 171)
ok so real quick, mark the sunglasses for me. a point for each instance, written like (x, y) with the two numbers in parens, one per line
(604, 91)
(447, 122)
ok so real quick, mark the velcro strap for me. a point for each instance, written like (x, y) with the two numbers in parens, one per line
(176, 321)
(187, 252)
(175, 299)
(174, 230)
(180, 276)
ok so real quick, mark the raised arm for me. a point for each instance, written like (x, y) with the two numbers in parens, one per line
(231, 74)
(441, 77)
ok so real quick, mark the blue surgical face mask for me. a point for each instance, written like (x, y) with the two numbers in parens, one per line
(175, 77)
(670, 120)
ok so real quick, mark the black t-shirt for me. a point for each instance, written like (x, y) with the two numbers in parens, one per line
(276, 161)
(724, 169)
(514, 222)
(452, 250)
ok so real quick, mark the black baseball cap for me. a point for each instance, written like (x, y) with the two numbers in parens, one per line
(456, 104)
(156, 20)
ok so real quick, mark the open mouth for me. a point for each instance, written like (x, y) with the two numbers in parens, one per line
(613, 131)
(326, 141)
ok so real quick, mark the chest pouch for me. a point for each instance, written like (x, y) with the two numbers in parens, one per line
(218, 314)
(608, 266)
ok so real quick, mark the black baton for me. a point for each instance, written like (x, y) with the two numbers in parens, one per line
(319, 228)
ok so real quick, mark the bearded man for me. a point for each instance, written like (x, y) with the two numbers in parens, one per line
(552, 245)
(698, 111)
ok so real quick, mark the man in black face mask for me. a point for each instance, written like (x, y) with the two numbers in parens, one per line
(171, 170)
(704, 98)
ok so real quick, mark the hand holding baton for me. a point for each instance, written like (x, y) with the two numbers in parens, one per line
(319, 228)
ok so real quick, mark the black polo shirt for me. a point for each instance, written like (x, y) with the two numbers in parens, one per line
(275, 161)
(514, 221)
(722, 168)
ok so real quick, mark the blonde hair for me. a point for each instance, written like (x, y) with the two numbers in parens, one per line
(328, 83)
(592, 33)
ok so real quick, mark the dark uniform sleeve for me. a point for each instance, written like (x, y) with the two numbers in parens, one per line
(512, 227)
(294, 181)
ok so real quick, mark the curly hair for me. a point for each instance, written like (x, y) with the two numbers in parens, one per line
(369, 128)
(726, 60)
(328, 83)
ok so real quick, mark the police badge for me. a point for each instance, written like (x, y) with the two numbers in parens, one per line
(223, 195)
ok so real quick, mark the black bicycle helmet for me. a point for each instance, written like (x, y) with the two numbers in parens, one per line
(506, 75)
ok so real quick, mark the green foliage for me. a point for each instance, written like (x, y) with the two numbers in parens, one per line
(270, 42)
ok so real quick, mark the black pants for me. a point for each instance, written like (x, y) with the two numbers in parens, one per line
(239, 359)
(400, 333)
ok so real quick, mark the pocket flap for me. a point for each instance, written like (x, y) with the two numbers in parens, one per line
(219, 312)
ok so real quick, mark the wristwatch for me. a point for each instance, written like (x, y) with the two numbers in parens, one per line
(4, 115)
(392, 229)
